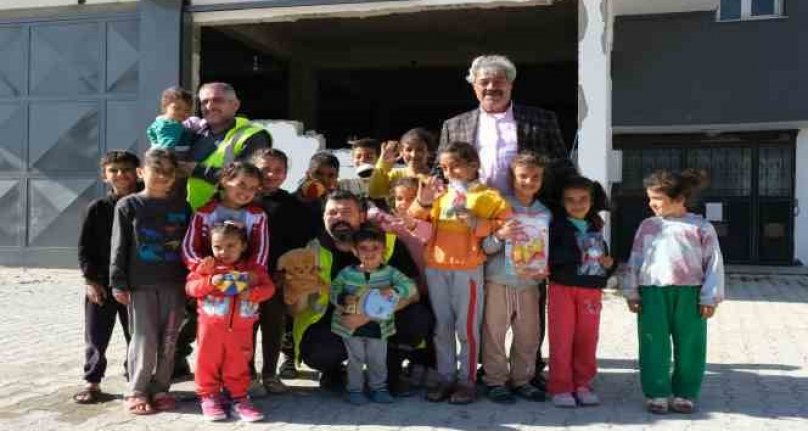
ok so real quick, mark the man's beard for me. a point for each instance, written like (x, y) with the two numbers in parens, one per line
(342, 232)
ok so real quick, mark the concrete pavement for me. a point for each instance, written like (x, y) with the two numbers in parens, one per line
(757, 373)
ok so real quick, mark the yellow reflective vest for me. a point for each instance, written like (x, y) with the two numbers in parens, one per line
(199, 190)
(318, 305)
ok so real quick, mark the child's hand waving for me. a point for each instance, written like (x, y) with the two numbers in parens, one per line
(428, 190)
(389, 153)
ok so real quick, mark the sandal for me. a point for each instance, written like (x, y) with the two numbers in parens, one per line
(137, 405)
(88, 395)
(164, 402)
(657, 406)
(682, 405)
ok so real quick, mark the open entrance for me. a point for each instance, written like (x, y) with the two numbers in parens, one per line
(381, 75)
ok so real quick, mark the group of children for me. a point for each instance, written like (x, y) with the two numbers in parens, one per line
(487, 257)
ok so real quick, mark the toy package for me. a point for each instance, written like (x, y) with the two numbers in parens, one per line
(527, 253)
(234, 282)
(593, 247)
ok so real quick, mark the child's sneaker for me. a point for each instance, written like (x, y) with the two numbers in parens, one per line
(682, 405)
(243, 409)
(565, 400)
(586, 397)
(357, 398)
(657, 406)
(381, 396)
(212, 408)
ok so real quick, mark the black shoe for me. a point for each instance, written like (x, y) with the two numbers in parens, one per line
(401, 389)
(332, 382)
(500, 395)
(182, 371)
(530, 392)
(539, 382)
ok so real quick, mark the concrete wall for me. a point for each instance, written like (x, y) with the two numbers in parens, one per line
(686, 69)
(801, 194)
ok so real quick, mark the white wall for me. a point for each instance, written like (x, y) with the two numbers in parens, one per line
(801, 194)
(288, 137)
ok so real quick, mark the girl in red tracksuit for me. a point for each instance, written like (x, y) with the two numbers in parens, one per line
(238, 185)
(229, 289)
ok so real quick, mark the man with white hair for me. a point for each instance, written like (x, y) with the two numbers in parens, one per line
(226, 138)
(499, 128)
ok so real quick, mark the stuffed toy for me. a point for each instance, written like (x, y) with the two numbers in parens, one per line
(300, 274)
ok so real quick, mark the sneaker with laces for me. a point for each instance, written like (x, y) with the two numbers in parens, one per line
(564, 400)
(586, 397)
(244, 410)
(213, 408)
(274, 385)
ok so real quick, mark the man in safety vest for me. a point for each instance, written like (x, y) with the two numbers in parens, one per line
(225, 138)
(315, 344)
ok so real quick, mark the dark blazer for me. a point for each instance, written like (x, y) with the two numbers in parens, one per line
(536, 130)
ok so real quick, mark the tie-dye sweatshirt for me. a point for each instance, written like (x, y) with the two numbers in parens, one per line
(676, 251)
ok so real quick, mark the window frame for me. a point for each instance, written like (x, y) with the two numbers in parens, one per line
(746, 12)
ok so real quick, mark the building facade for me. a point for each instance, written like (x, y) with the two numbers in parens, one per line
(674, 85)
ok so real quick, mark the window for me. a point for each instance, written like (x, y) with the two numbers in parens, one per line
(740, 10)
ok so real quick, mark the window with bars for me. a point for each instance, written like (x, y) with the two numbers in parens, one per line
(743, 10)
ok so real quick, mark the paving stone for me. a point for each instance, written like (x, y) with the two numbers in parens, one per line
(757, 377)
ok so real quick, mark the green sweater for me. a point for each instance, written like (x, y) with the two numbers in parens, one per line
(353, 281)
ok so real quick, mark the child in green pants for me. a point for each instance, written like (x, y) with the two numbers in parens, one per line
(675, 280)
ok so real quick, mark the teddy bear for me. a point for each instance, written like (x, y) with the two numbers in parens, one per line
(300, 274)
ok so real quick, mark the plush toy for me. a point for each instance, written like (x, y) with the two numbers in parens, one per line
(300, 274)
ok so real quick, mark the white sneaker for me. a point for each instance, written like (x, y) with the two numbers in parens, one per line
(565, 400)
(586, 397)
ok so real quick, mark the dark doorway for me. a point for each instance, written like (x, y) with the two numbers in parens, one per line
(379, 76)
(751, 184)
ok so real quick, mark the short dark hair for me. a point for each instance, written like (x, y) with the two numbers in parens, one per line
(175, 94)
(273, 153)
(675, 185)
(369, 143)
(345, 195)
(229, 228)
(323, 158)
(463, 151)
(369, 232)
(119, 156)
(160, 158)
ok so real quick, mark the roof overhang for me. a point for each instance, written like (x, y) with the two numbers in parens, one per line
(217, 12)
(654, 7)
